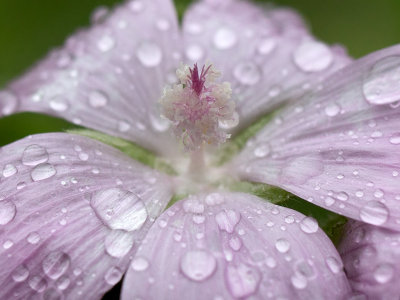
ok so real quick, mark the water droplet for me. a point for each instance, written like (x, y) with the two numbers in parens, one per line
(139, 264)
(159, 124)
(214, 199)
(262, 150)
(123, 126)
(384, 272)
(247, 73)
(282, 245)
(227, 220)
(224, 38)
(395, 139)
(7, 212)
(119, 209)
(37, 283)
(198, 265)
(8, 103)
(113, 275)
(43, 171)
(136, 6)
(34, 155)
(329, 201)
(163, 24)
(266, 46)
(242, 280)
(334, 265)
(299, 281)
(83, 156)
(9, 170)
(374, 212)
(332, 110)
(235, 243)
(309, 225)
(106, 43)
(63, 283)
(33, 238)
(193, 206)
(20, 273)
(55, 264)
(58, 104)
(118, 243)
(381, 83)
(194, 52)
(98, 99)
(342, 196)
(312, 56)
(149, 54)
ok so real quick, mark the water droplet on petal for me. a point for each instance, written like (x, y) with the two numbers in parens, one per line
(43, 171)
(384, 272)
(227, 220)
(266, 46)
(118, 243)
(334, 265)
(20, 273)
(8, 103)
(312, 56)
(123, 126)
(55, 264)
(34, 155)
(149, 54)
(33, 238)
(113, 275)
(262, 150)
(119, 209)
(381, 84)
(106, 43)
(7, 212)
(282, 245)
(309, 225)
(139, 264)
(198, 265)
(9, 170)
(247, 73)
(332, 110)
(242, 280)
(194, 52)
(98, 99)
(224, 38)
(299, 281)
(160, 124)
(374, 212)
(163, 24)
(63, 283)
(395, 139)
(37, 283)
(58, 104)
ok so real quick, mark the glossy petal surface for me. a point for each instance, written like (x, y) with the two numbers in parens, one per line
(340, 147)
(371, 257)
(109, 77)
(267, 54)
(229, 246)
(72, 211)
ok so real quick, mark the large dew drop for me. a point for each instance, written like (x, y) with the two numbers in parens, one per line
(312, 56)
(119, 209)
(198, 265)
(149, 54)
(55, 264)
(374, 212)
(43, 171)
(7, 212)
(34, 155)
(118, 243)
(381, 83)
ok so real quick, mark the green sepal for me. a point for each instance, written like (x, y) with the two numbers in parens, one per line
(129, 148)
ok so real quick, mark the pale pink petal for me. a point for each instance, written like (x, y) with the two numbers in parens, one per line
(72, 211)
(110, 76)
(267, 55)
(339, 147)
(371, 257)
(230, 246)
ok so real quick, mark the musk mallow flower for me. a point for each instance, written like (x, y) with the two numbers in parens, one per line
(76, 214)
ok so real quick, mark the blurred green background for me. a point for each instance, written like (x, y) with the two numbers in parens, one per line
(30, 28)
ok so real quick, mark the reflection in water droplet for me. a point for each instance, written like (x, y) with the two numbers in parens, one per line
(7, 212)
(20, 273)
(227, 220)
(118, 243)
(198, 265)
(139, 264)
(309, 225)
(113, 275)
(97, 99)
(9, 170)
(282, 245)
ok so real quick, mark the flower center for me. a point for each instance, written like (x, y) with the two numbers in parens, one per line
(199, 107)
